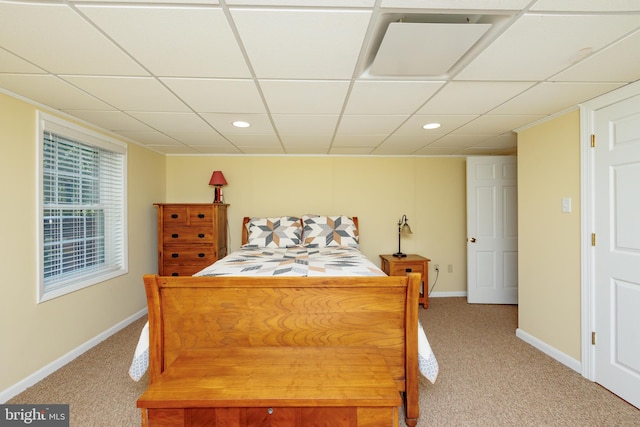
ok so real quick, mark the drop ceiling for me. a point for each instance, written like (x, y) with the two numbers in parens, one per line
(344, 77)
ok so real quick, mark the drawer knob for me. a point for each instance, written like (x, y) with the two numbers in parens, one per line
(174, 235)
(270, 411)
(201, 216)
(408, 270)
(201, 236)
(175, 255)
(174, 216)
(200, 255)
(174, 274)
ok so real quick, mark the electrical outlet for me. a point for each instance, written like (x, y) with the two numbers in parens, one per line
(436, 267)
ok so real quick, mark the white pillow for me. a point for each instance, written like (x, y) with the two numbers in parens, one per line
(280, 232)
(323, 231)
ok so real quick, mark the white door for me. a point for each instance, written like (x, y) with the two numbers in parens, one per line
(492, 230)
(617, 248)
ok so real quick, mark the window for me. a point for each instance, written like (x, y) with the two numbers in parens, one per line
(82, 212)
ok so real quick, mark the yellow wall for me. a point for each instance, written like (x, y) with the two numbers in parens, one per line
(549, 240)
(379, 190)
(35, 335)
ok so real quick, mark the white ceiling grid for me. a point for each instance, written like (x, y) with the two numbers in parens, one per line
(174, 74)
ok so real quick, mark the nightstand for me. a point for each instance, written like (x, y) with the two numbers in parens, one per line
(412, 263)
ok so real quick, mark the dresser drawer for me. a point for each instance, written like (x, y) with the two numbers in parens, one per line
(188, 255)
(403, 268)
(175, 215)
(187, 215)
(186, 234)
(181, 270)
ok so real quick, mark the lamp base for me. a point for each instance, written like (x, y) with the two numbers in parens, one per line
(217, 197)
(399, 255)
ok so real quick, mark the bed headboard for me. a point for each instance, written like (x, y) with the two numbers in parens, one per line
(245, 232)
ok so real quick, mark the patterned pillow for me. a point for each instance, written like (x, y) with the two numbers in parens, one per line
(322, 231)
(280, 232)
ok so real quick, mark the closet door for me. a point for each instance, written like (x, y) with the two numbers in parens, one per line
(492, 230)
(617, 248)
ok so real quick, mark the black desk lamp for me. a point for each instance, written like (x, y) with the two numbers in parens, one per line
(403, 225)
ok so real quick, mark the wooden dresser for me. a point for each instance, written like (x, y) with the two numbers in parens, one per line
(190, 237)
(274, 387)
(394, 266)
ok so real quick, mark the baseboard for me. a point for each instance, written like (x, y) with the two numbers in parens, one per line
(448, 294)
(561, 357)
(40, 374)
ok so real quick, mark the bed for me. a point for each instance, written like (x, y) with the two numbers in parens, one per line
(317, 291)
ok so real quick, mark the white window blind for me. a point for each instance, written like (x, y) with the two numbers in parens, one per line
(83, 227)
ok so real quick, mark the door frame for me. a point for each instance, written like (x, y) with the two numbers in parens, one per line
(587, 220)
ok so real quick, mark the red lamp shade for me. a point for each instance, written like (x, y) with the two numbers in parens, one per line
(217, 178)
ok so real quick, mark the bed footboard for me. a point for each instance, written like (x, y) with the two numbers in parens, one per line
(189, 313)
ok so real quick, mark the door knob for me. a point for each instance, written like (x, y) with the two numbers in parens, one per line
(472, 240)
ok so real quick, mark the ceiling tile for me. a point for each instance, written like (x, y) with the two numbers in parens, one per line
(204, 138)
(495, 124)
(326, 43)
(269, 142)
(223, 123)
(188, 2)
(130, 93)
(306, 144)
(306, 3)
(172, 122)
(152, 138)
(549, 98)
(613, 64)
(228, 149)
(110, 120)
(304, 97)
(13, 64)
(472, 97)
(162, 38)
(71, 46)
(358, 140)
(529, 50)
(439, 151)
(389, 97)
(369, 125)
(305, 124)
(414, 125)
(506, 140)
(362, 151)
(50, 91)
(458, 140)
(263, 150)
(458, 4)
(174, 149)
(404, 144)
(218, 95)
(586, 5)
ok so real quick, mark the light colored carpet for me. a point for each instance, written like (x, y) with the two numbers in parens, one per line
(488, 377)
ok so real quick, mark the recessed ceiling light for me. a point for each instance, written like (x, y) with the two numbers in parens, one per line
(241, 124)
(431, 126)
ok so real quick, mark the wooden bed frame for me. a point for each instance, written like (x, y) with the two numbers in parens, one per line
(194, 313)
